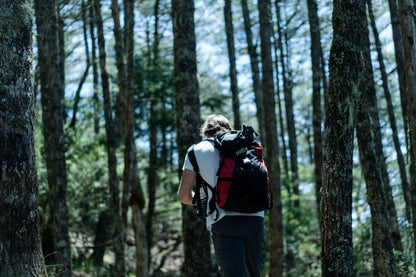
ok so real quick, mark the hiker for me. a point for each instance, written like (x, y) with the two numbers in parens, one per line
(238, 238)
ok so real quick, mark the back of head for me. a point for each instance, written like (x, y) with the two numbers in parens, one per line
(214, 124)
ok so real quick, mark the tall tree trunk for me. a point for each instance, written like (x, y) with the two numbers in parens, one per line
(272, 148)
(131, 179)
(400, 63)
(53, 131)
(152, 173)
(408, 28)
(317, 71)
(292, 181)
(336, 196)
(373, 163)
(394, 228)
(254, 63)
(196, 238)
(156, 98)
(229, 31)
(288, 104)
(20, 242)
(122, 106)
(95, 97)
(113, 183)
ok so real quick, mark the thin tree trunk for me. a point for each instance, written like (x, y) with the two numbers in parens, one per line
(94, 68)
(196, 238)
(152, 175)
(317, 71)
(229, 31)
(394, 228)
(20, 242)
(336, 196)
(113, 183)
(285, 81)
(292, 181)
(272, 148)
(251, 48)
(53, 131)
(87, 56)
(408, 28)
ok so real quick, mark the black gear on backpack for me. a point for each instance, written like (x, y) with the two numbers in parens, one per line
(242, 184)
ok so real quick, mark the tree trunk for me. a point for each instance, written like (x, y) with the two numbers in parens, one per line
(117, 236)
(139, 228)
(292, 181)
(373, 163)
(400, 63)
(20, 242)
(131, 179)
(152, 175)
(272, 147)
(286, 181)
(394, 228)
(122, 106)
(317, 71)
(102, 237)
(95, 97)
(195, 236)
(87, 56)
(254, 63)
(53, 131)
(408, 28)
(382, 244)
(229, 31)
(336, 196)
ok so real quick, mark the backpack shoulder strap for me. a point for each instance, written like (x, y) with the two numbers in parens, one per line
(192, 158)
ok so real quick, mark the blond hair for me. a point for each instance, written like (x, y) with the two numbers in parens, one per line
(215, 123)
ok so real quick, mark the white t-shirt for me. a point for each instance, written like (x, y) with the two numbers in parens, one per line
(208, 158)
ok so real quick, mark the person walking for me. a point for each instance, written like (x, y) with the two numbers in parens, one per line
(238, 238)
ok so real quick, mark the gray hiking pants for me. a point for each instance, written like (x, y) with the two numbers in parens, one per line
(238, 244)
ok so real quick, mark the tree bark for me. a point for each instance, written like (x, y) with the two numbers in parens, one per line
(400, 63)
(52, 95)
(373, 164)
(272, 148)
(317, 71)
(20, 242)
(408, 28)
(229, 31)
(336, 196)
(254, 63)
(196, 238)
(394, 226)
(113, 183)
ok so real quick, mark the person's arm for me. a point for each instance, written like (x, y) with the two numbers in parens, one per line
(185, 188)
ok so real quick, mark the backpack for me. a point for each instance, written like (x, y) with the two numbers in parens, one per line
(242, 178)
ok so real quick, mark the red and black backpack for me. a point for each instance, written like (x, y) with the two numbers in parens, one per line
(242, 184)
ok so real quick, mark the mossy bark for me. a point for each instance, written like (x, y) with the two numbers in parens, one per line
(20, 243)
